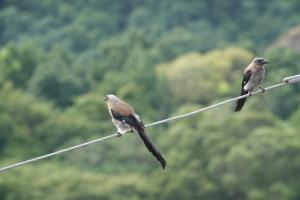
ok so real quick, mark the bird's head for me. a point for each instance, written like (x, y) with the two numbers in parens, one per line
(110, 97)
(260, 61)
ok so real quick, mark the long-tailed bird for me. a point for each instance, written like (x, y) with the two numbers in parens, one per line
(125, 119)
(254, 74)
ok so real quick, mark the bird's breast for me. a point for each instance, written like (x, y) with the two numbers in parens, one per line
(256, 78)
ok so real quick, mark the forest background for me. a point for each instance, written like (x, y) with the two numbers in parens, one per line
(58, 59)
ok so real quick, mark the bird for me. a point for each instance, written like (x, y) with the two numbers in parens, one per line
(254, 74)
(126, 120)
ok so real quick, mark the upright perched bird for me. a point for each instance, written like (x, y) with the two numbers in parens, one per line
(125, 119)
(254, 74)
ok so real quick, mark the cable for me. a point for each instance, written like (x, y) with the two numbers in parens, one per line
(57, 152)
(286, 81)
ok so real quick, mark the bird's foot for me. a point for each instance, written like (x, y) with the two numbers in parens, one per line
(250, 93)
(263, 90)
(119, 134)
(131, 131)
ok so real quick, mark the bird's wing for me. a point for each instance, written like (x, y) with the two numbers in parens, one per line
(127, 118)
(240, 103)
(247, 76)
(125, 113)
(133, 121)
(121, 117)
(122, 108)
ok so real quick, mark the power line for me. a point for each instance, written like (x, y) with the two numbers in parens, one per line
(286, 81)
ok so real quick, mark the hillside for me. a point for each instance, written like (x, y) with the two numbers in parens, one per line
(58, 59)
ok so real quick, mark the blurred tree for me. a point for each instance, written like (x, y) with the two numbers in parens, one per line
(294, 119)
(18, 62)
(212, 74)
(72, 53)
(61, 128)
(10, 15)
(21, 115)
(233, 163)
(69, 185)
(290, 40)
(284, 63)
(55, 80)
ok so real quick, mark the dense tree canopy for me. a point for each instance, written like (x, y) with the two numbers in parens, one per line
(59, 58)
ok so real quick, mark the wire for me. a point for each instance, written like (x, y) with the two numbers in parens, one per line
(286, 81)
(58, 152)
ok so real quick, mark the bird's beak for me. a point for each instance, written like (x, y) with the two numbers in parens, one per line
(105, 98)
(266, 62)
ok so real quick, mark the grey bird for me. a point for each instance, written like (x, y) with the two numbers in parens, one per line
(126, 120)
(254, 74)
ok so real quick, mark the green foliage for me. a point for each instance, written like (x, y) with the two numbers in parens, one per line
(243, 161)
(285, 63)
(21, 114)
(18, 62)
(58, 59)
(54, 79)
(66, 184)
(208, 73)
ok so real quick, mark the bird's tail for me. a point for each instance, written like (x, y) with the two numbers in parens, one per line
(240, 103)
(151, 147)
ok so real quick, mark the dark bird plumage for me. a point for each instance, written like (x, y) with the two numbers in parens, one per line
(240, 103)
(253, 76)
(125, 119)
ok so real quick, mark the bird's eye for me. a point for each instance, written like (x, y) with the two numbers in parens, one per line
(260, 61)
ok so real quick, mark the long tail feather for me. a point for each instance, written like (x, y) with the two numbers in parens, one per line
(240, 103)
(151, 147)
